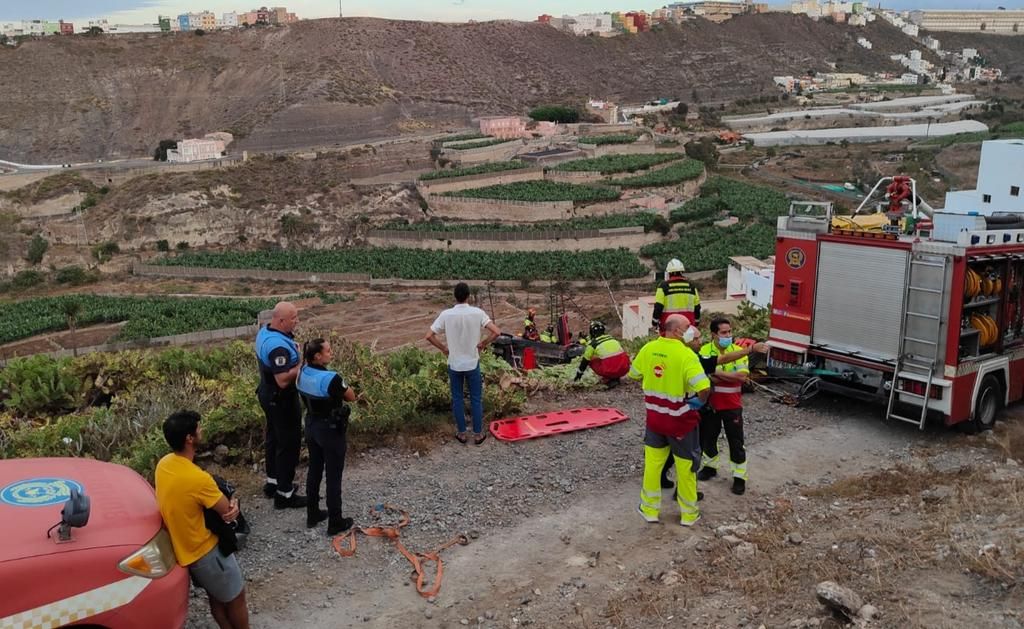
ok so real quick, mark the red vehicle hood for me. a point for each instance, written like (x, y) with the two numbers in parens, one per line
(33, 491)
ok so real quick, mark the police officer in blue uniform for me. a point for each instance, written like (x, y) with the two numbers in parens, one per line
(324, 394)
(278, 356)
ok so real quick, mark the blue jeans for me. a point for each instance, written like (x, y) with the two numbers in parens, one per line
(458, 380)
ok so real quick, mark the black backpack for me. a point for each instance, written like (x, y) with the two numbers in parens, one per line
(230, 536)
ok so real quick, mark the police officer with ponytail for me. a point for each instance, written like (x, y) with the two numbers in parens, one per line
(324, 394)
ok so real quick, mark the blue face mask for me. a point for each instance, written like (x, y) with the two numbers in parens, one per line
(724, 341)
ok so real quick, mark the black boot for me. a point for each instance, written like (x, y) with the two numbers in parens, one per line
(707, 472)
(339, 525)
(739, 486)
(314, 515)
(269, 489)
(295, 501)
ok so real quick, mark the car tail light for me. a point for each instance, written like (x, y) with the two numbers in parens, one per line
(785, 356)
(917, 387)
(153, 560)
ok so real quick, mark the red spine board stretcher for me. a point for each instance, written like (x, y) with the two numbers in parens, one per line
(544, 424)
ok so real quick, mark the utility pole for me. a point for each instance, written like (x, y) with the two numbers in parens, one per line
(339, 9)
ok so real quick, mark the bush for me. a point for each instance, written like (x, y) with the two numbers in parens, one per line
(661, 225)
(163, 245)
(39, 384)
(181, 246)
(704, 150)
(104, 251)
(73, 275)
(160, 154)
(555, 113)
(37, 249)
(27, 279)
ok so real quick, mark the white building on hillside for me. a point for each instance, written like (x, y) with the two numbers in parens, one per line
(750, 279)
(1000, 181)
(196, 150)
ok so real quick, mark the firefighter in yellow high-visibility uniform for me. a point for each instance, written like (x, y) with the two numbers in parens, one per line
(675, 386)
(675, 295)
(726, 408)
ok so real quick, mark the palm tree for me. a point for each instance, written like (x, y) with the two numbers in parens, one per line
(72, 309)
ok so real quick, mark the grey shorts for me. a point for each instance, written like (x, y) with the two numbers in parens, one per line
(686, 448)
(220, 576)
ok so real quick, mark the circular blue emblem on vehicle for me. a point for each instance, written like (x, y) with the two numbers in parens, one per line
(38, 492)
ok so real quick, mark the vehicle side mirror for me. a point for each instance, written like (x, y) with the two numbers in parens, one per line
(74, 514)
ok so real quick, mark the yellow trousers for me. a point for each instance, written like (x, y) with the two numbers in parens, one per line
(686, 485)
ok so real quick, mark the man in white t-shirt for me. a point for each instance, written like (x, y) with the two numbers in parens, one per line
(462, 326)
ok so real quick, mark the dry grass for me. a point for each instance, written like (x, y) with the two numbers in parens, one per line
(881, 540)
(898, 481)
(1011, 440)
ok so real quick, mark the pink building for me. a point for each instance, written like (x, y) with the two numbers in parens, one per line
(504, 127)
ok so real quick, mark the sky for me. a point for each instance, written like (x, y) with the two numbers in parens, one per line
(146, 11)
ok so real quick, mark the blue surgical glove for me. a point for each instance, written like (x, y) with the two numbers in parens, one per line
(694, 403)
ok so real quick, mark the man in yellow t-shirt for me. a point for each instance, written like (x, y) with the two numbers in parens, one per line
(183, 491)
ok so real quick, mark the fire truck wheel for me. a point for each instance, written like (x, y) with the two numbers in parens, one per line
(990, 397)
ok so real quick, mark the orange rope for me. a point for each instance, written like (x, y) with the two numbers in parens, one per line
(394, 533)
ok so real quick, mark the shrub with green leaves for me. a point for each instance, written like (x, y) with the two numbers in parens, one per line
(38, 384)
(37, 249)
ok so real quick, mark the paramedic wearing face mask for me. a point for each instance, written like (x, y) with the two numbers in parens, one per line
(726, 408)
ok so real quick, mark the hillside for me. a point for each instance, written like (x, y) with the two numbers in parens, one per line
(1005, 52)
(338, 80)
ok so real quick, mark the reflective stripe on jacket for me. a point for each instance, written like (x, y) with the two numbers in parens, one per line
(669, 370)
(606, 357)
(675, 296)
(726, 396)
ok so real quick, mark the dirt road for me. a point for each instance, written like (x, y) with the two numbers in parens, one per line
(557, 542)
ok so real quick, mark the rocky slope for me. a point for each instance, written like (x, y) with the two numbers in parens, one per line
(341, 80)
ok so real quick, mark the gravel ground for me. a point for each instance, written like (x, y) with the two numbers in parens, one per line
(478, 490)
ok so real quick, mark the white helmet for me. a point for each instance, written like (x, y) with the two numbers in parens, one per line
(675, 266)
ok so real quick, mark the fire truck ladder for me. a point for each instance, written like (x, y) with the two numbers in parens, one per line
(923, 318)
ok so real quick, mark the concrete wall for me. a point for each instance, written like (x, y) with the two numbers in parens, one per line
(636, 148)
(192, 338)
(288, 276)
(451, 184)
(482, 210)
(249, 274)
(493, 153)
(564, 240)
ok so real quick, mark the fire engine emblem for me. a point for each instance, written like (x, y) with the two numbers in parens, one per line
(796, 258)
(658, 371)
(38, 492)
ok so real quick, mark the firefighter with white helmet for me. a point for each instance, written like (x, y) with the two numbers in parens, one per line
(675, 295)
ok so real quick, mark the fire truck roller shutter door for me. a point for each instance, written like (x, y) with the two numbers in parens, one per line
(859, 301)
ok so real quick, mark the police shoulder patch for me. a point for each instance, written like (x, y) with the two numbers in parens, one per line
(281, 361)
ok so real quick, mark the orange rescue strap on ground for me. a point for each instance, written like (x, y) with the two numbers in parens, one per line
(394, 533)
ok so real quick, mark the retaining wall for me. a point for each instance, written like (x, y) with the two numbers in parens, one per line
(192, 338)
(493, 153)
(188, 272)
(564, 240)
(288, 276)
(636, 148)
(483, 210)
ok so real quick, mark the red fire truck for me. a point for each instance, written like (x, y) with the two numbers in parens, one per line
(923, 311)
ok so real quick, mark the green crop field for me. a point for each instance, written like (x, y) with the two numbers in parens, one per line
(495, 167)
(540, 191)
(146, 317)
(643, 219)
(686, 170)
(611, 164)
(429, 265)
